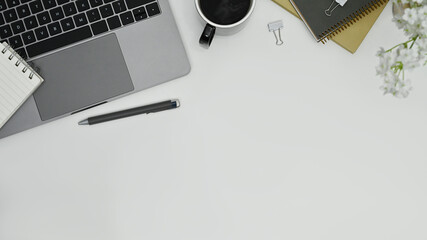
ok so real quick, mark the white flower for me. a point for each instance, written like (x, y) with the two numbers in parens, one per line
(421, 46)
(397, 87)
(408, 57)
(414, 19)
(410, 15)
(386, 61)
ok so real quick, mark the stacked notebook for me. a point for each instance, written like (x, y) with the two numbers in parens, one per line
(345, 22)
(18, 81)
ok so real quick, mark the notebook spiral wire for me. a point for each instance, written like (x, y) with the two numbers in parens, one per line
(19, 60)
(350, 20)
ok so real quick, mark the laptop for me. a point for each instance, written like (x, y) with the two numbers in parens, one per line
(90, 52)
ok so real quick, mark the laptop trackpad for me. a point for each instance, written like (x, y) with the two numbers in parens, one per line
(81, 76)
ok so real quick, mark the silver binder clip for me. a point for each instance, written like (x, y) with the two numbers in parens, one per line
(275, 28)
(334, 5)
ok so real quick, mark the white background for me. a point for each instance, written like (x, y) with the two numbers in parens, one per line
(290, 142)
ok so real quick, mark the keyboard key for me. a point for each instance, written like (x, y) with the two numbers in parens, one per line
(41, 33)
(140, 14)
(59, 41)
(18, 27)
(80, 19)
(12, 3)
(10, 15)
(126, 18)
(108, 1)
(106, 10)
(60, 2)
(28, 37)
(70, 9)
(31, 22)
(137, 3)
(67, 24)
(1, 19)
(36, 7)
(119, 6)
(153, 9)
(56, 14)
(93, 15)
(25, 1)
(5, 32)
(2, 5)
(54, 28)
(22, 53)
(16, 42)
(23, 11)
(82, 5)
(95, 3)
(44, 18)
(49, 4)
(99, 27)
(114, 22)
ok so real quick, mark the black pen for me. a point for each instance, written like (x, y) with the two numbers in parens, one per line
(152, 108)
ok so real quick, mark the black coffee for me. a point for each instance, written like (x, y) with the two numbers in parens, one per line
(225, 12)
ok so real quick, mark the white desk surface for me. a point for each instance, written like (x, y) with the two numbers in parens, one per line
(290, 142)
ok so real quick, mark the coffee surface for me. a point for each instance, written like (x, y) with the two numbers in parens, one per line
(225, 12)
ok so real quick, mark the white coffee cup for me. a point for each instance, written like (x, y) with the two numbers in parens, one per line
(224, 17)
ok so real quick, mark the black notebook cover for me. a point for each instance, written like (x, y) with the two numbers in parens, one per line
(322, 26)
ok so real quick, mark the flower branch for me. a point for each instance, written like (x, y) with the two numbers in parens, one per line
(407, 55)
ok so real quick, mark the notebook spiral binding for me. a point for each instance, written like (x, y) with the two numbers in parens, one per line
(350, 20)
(19, 60)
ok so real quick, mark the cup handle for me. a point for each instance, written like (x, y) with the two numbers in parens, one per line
(207, 35)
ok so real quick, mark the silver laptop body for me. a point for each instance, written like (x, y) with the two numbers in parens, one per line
(102, 68)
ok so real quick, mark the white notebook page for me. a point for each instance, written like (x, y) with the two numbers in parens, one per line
(15, 85)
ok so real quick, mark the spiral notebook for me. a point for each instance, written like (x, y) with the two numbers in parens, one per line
(327, 18)
(352, 37)
(18, 81)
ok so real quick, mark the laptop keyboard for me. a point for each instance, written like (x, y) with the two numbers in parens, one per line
(34, 27)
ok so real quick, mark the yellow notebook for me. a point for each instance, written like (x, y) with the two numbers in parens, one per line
(352, 37)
